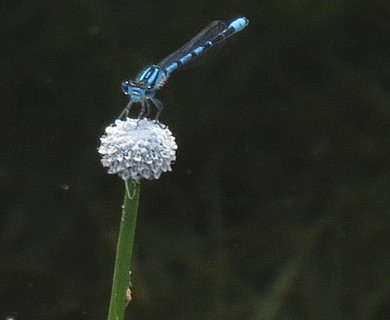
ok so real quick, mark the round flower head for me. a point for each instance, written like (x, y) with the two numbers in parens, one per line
(137, 149)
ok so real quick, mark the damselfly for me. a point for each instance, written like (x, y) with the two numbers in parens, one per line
(143, 89)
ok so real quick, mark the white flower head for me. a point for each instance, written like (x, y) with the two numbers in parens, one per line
(137, 149)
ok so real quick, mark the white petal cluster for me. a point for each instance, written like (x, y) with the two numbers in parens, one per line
(137, 149)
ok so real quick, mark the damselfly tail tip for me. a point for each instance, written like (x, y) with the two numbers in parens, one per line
(239, 23)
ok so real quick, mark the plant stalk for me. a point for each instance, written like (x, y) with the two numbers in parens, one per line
(124, 252)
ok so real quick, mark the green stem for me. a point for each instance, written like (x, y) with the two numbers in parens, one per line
(124, 252)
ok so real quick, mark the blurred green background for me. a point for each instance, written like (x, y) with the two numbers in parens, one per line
(278, 206)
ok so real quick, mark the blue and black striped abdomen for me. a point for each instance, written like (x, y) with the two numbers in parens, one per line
(214, 33)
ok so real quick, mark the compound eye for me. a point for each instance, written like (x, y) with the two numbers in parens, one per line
(125, 86)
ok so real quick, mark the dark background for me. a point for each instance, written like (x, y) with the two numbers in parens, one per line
(278, 206)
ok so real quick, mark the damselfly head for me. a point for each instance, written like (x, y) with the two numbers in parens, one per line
(125, 87)
(136, 90)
